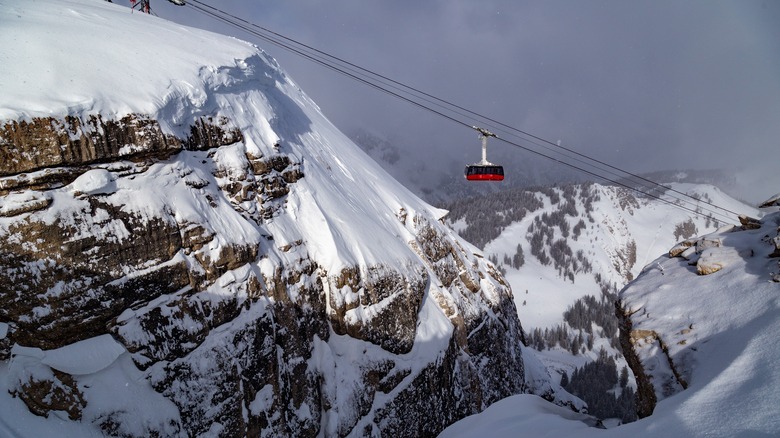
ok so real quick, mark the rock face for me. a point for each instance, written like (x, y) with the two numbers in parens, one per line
(61, 254)
(244, 334)
(50, 152)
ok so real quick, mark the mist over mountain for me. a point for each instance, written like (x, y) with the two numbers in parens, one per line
(439, 179)
(645, 85)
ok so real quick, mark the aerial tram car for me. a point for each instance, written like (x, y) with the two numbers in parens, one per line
(484, 170)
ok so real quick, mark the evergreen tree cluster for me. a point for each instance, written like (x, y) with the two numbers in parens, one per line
(541, 232)
(596, 383)
(589, 195)
(559, 336)
(494, 259)
(486, 216)
(516, 261)
(576, 342)
(551, 193)
(556, 252)
(684, 230)
(711, 221)
(589, 310)
(577, 230)
(541, 236)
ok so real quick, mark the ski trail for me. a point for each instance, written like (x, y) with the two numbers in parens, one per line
(655, 239)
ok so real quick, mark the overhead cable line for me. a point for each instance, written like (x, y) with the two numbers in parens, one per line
(616, 182)
(359, 73)
(332, 67)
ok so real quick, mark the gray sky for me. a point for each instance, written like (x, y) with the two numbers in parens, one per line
(643, 85)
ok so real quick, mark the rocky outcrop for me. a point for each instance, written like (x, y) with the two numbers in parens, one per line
(56, 391)
(49, 152)
(665, 320)
(78, 279)
(399, 296)
(87, 263)
(645, 395)
(40, 143)
(773, 201)
(635, 344)
(749, 223)
(775, 242)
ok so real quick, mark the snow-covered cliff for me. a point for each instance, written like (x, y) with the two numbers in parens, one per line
(189, 247)
(703, 319)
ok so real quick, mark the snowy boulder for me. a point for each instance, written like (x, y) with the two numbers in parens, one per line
(749, 223)
(691, 255)
(773, 201)
(714, 256)
(694, 251)
(95, 182)
(703, 244)
(709, 263)
(776, 243)
(681, 247)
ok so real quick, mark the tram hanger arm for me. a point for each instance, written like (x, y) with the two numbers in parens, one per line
(484, 132)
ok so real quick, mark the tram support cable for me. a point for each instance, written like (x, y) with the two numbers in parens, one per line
(353, 71)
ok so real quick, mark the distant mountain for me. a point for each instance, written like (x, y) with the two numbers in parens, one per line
(697, 324)
(724, 180)
(568, 250)
(430, 181)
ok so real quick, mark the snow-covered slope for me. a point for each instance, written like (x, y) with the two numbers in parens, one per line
(256, 272)
(713, 335)
(560, 246)
(176, 75)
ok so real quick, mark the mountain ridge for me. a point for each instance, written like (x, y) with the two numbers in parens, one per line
(221, 250)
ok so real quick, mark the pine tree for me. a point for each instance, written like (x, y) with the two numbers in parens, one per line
(575, 346)
(623, 377)
(565, 379)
